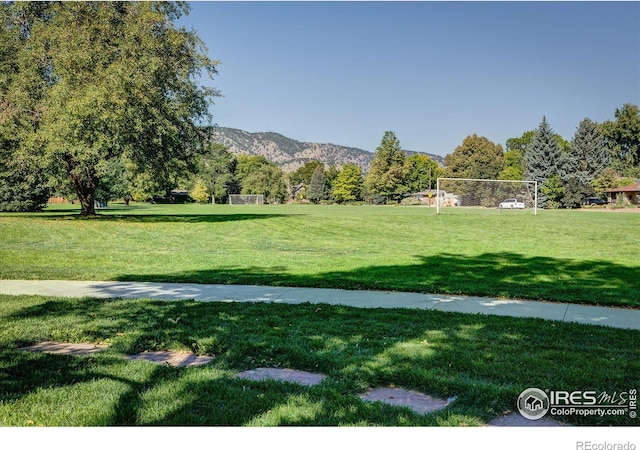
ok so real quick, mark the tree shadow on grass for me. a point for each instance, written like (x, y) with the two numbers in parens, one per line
(508, 275)
(166, 218)
(484, 360)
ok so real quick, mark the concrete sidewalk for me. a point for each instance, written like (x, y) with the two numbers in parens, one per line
(564, 312)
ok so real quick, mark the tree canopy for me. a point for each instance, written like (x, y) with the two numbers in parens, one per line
(99, 81)
(387, 174)
(257, 175)
(348, 184)
(477, 158)
(623, 138)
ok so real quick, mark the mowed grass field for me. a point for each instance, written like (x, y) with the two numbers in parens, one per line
(589, 257)
(485, 362)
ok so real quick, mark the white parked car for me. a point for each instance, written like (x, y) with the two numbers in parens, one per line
(511, 203)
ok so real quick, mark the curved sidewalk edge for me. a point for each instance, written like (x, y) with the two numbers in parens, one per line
(564, 312)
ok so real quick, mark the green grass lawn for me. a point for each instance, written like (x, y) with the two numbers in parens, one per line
(590, 257)
(486, 361)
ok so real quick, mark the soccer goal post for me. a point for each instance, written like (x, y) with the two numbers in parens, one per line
(246, 199)
(486, 194)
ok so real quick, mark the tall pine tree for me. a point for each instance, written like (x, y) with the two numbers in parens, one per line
(587, 157)
(318, 189)
(387, 175)
(542, 158)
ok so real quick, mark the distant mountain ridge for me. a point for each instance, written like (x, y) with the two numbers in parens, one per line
(291, 154)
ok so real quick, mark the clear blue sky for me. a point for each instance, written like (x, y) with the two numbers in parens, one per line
(432, 72)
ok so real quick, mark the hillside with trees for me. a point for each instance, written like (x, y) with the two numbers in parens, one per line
(291, 154)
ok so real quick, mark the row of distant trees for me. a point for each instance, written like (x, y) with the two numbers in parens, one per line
(392, 174)
(101, 100)
(600, 156)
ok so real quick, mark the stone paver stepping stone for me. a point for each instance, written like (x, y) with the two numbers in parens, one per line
(516, 420)
(172, 358)
(63, 348)
(420, 403)
(293, 376)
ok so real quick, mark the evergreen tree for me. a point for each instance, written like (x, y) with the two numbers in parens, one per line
(586, 158)
(387, 174)
(542, 158)
(318, 189)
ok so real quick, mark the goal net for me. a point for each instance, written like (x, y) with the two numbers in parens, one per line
(499, 195)
(246, 199)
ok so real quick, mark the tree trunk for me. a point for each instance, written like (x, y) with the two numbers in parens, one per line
(86, 194)
(85, 186)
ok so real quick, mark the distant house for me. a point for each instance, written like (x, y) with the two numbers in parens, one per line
(631, 192)
(428, 198)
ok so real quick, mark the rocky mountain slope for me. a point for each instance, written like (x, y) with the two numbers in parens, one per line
(291, 154)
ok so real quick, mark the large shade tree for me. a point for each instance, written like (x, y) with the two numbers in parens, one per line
(100, 81)
(477, 158)
(257, 175)
(422, 172)
(623, 138)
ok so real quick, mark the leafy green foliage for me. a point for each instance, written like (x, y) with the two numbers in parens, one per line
(257, 175)
(422, 172)
(554, 192)
(200, 193)
(115, 182)
(477, 158)
(513, 165)
(105, 81)
(348, 184)
(216, 168)
(21, 190)
(623, 137)
(303, 174)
